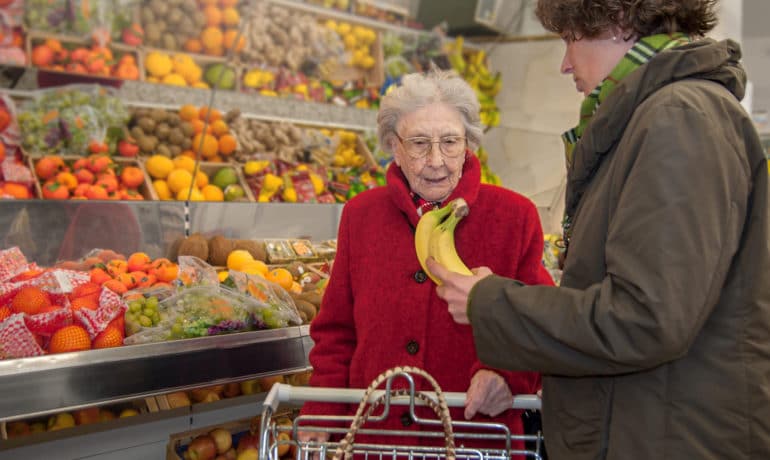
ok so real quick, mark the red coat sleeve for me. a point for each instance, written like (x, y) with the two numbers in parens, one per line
(333, 330)
(529, 270)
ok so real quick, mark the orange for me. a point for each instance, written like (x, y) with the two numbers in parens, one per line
(88, 303)
(115, 286)
(213, 16)
(237, 258)
(184, 162)
(193, 45)
(212, 38)
(227, 144)
(219, 128)
(30, 300)
(281, 277)
(201, 180)
(212, 193)
(230, 17)
(69, 338)
(198, 127)
(179, 179)
(5, 312)
(228, 41)
(209, 147)
(18, 191)
(213, 114)
(188, 112)
(108, 338)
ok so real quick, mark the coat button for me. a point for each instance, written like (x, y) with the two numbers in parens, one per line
(412, 347)
(406, 419)
(420, 276)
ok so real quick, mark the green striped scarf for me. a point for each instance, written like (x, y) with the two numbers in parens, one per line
(642, 51)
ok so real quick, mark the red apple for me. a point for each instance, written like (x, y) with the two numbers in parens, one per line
(248, 440)
(201, 448)
(222, 438)
(232, 390)
(267, 382)
(86, 416)
(16, 429)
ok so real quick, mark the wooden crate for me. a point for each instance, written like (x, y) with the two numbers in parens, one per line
(210, 168)
(145, 189)
(35, 37)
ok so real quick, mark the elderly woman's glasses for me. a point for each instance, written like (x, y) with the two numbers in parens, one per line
(418, 147)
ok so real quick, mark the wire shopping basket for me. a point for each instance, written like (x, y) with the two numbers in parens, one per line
(454, 433)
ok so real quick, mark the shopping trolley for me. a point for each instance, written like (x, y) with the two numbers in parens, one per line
(455, 433)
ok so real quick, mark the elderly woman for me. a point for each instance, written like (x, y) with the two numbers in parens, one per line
(380, 309)
(657, 343)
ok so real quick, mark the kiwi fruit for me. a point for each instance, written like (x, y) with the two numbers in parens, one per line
(169, 41)
(164, 150)
(147, 16)
(176, 136)
(186, 143)
(187, 129)
(306, 307)
(175, 150)
(162, 131)
(175, 16)
(160, 8)
(219, 248)
(296, 268)
(147, 124)
(313, 297)
(194, 245)
(173, 119)
(145, 144)
(159, 115)
(137, 132)
(153, 32)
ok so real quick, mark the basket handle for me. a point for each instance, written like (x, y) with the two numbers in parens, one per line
(441, 409)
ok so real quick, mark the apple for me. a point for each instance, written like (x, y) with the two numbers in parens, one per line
(267, 382)
(16, 429)
(128, 413)
(231, 454)
(105, 415)
(61, 421)
(284, 443)
(248, 440)
(37, 427)
(201, 448)
(232, 390)
(86, 416)
(178, 399)
(248, 454)
(203, 394)
(222, 438)
(250, 387)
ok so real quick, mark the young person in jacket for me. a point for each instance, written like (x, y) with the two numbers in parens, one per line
(380, 309)
(657, 342)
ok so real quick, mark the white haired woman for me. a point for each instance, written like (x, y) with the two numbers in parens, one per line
(380, 309)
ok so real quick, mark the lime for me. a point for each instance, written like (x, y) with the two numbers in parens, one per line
(224, 177)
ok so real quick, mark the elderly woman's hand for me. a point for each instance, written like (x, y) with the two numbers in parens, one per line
(488, 394)
(456, 288)
(312, 436)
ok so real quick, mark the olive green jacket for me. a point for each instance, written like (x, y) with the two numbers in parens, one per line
(657, 344)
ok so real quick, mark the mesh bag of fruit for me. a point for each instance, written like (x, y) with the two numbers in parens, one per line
(276, 306)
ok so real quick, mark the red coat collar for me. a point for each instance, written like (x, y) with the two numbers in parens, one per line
(468, 187)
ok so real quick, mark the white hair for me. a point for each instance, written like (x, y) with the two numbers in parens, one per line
(420, 90)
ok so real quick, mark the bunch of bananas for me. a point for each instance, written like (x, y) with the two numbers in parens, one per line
(473, 68)
(487, 176)
(435, 237)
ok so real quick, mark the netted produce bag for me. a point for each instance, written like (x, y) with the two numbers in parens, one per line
(67, 119)
(26, 333)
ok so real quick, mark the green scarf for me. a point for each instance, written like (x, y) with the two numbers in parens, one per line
(642, 51)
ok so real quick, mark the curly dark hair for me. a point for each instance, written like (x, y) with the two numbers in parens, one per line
(575, 19)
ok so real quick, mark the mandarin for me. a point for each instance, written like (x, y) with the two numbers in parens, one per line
(108, 338)
(281, 277)
(69, 338)
(30, 300)
(5, 311)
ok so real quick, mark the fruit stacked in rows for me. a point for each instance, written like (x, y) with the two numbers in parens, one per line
(170, 25)
(95, 177)
(173, 179)
(358, 42)
(96, 60)
(221, 30)
(173, 69)
(138, 271)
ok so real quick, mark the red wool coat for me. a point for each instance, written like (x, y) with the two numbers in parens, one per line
(381, 311)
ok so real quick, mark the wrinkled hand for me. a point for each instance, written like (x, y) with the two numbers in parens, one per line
(312, 436)
(456, 288)
(488, 394)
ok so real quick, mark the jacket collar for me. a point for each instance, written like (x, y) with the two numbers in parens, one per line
(704, 59)
(467, 187)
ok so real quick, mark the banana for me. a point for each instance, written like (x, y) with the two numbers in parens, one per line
(434, 237)
(422, 233)
(442, 243)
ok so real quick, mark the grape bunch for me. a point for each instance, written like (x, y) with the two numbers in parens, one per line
(142, 312)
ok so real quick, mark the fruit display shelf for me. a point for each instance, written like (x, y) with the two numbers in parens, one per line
(119, 374)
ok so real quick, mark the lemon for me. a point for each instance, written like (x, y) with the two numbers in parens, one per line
(158, 64)
(213, 193)
(367, 62)
(179, 179)
(159, 167)
(253, 167)
(195, 195)
(174, 79)
(343, 28)
(254, 267)
(331, 24)
(238, 258)
(350, 41)
(271, 182)
(318, 183)
(289, 195)
(161, 188)
(222, 276)
(184, 162)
